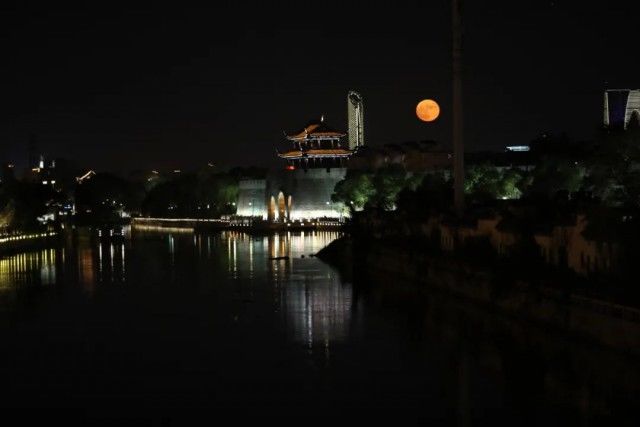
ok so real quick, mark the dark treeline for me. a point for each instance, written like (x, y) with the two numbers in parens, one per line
(104, 197)
(558, 180)
(604, 173)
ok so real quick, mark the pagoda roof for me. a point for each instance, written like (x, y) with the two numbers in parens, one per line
(315, 129)
(319, 152)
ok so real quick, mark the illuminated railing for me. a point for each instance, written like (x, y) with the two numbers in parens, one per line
(238, 222)
(7, 238)
(178, 220)
(298, 223)
(142, 227)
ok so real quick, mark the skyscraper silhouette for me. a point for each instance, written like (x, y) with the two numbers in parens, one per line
(355, 110)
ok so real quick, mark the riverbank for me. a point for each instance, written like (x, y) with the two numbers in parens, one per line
(250, 226)
(10, 244)
(556, 304)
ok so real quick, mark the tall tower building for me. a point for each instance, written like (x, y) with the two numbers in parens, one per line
(620, 107)
(355, 110)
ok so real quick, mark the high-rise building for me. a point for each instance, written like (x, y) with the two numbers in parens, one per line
(355, 113)
(621, 107)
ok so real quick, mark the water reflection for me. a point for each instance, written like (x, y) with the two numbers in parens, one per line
(179, 301)
(99, 263)
(315, 304)
(30, 268)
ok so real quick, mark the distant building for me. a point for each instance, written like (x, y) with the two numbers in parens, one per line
(523, 160)
(413, 156)
(355, 113)
(621, 107)
(44, 172)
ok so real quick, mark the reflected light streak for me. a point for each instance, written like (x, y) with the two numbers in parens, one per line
(123, 262)
(235, 259)
(99, 261)
(28, 268)
(153, 228)
(251, 258)
(111, 253)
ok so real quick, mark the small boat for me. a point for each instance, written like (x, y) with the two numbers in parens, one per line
(279, 258)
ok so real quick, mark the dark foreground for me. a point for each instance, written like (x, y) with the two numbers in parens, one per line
(176, 328)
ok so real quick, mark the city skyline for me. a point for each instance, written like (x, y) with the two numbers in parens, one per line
(141, 88)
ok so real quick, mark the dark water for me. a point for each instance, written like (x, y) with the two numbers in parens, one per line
(172, 328)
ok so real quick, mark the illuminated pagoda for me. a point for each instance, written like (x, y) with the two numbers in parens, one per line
(317, 160)
(316, 146)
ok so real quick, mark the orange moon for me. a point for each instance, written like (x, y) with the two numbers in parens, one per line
(427, 110)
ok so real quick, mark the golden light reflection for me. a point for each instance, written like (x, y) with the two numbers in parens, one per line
(310, 294)
(86, 271)
(28, 268)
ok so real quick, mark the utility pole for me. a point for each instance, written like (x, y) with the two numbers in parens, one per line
(458, 142)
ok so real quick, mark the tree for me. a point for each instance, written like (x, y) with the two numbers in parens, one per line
(204, 194)
(103, 197)
(21, 204)
(388, 183)
(7, 215)
(511, 184)
(615, 168)
(487, 182)
(433, 192)
(556, 175)
(216, 194)
(355, 191)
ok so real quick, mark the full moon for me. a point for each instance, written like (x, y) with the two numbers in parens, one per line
(427, 110)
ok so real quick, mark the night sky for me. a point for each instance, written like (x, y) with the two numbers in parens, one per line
(121, 88)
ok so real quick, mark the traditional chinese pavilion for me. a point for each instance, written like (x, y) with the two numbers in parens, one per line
(316, 146)
(316, 160)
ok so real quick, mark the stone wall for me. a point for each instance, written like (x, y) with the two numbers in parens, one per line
(252, 198)
(311, 192)
(293, 195)
(607, 323)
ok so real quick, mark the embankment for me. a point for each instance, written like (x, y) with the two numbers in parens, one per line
(385, 264)
(25, 242)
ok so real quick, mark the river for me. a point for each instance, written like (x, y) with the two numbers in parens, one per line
(173, 326)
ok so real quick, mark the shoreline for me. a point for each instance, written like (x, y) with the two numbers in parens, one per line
(594, 319)
(10, 245)
(202, 224)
